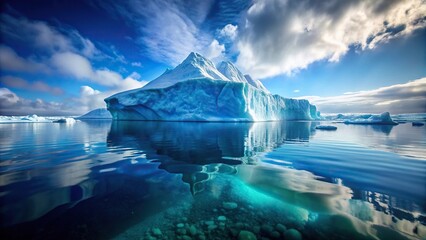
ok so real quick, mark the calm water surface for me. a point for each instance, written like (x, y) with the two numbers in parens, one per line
(159, 180)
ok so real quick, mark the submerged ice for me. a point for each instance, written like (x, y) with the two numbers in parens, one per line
(198, 91)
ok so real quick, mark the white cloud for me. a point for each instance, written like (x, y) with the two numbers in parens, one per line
(77, 66)
(408, 97)
(10, 61)
(215, 50)
(46, 38)
(12, 104)
(170, 36)
(7, 97)
(72, 64)
(283, 36)
(57, 51)
(87, 100)
(230, 31)
(296, 90)
(20, 83)
(91, 99)
(136, 64)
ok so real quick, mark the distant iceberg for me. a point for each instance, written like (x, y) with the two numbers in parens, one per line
(29, 118)
(198, 91)
(382, 119)
(33, 118)
(100, 113)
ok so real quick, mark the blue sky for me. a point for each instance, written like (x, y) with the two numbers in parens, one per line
(64, 57)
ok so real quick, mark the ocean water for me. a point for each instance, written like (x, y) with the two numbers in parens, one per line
(174, 180)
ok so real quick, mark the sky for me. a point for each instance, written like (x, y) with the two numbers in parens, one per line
(63, 57)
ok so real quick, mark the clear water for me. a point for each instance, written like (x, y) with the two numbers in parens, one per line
(165, 180)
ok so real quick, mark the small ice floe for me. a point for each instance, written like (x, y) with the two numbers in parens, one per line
(417, 124)
(65, 120)
(326, 127)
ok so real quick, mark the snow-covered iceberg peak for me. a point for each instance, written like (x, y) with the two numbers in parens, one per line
(193, 67)
(234, 74)
(231, 72)
(255, 83)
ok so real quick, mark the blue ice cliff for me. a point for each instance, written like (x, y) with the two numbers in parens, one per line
(198, 91)
(100, 113)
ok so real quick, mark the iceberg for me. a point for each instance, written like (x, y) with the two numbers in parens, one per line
(100, 113)
(198, 91)
(382, 119)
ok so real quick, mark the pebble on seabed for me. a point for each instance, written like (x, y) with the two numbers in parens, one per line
(156, 232)
(292, 234)
(280, 228)
(246, 235)
(229, 205)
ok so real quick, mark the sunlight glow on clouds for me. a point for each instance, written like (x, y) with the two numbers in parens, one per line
(399, 98)
(280, 37)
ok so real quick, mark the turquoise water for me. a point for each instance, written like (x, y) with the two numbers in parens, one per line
(160, 180)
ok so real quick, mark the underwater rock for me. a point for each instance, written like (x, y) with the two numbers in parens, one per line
(239, 225)
(267, 229)
(211, 227)
(292, 234)
(149, 238)
(185, 237)
(181, 231)
(156, 232)
(209, 223)
(221, 218)
(275, 234)
(280, 228)
(246, 235)
(192, 230)
(180, 225)
(229, 205)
